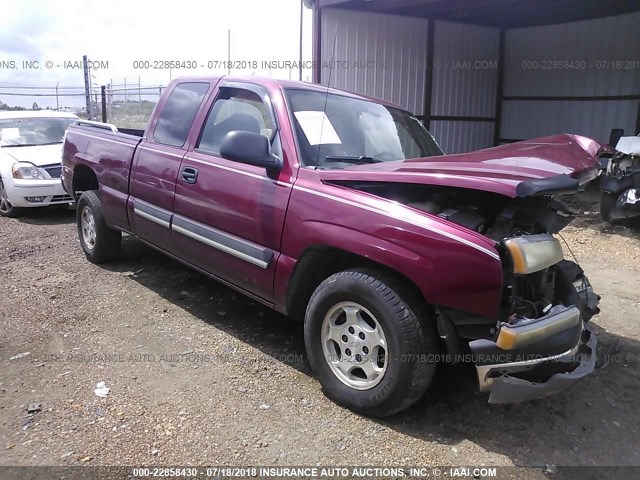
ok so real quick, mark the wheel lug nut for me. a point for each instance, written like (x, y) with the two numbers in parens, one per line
(344, 338)
(365, 350)
(348, 352)
(361, 335)
(351, 330)
(358, 358)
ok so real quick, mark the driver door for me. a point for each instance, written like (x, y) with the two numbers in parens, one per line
(228, 215)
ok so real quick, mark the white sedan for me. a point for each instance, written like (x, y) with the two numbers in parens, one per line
(30, 159)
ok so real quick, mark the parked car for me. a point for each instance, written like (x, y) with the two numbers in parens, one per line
(342, 211)
(620, 187)
(30, 153)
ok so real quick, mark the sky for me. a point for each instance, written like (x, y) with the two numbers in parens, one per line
(119, 36)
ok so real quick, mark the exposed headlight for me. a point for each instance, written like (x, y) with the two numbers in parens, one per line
(532, 253)
(26, 171)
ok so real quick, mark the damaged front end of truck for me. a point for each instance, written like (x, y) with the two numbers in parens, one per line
(540, 342)
(620, 186)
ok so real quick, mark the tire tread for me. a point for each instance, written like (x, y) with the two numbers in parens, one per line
(411, 321)
(108, 240)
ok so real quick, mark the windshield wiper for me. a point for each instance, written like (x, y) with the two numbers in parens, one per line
(21, 145)
(362, 159)
(31, 144)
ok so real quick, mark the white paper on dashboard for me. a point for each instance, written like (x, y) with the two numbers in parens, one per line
(317, 127)
(9, 132)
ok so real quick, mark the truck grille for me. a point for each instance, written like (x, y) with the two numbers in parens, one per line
(61, 198)
(54, 171)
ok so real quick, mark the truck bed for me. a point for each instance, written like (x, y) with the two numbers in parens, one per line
(106, 152)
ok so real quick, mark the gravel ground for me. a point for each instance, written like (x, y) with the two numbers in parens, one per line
(201, 375)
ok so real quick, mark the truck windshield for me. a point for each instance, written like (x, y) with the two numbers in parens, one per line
(27, 132)
(351, 131)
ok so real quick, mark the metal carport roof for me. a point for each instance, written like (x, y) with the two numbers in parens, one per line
(496, 13)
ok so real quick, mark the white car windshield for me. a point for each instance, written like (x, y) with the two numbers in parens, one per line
(337, 131)
(26, 132)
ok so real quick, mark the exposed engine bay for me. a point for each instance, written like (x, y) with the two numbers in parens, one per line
(526, 297)
(490, 214)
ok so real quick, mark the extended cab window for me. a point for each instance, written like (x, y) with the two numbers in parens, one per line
(235, 109)
(178, 113)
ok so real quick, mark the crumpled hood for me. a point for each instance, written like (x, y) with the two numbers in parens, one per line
(39, 155)
(554, 164)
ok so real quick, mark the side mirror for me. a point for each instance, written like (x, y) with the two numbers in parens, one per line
(250, 148)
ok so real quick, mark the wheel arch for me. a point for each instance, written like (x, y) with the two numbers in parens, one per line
(84, 178)
(320, 261)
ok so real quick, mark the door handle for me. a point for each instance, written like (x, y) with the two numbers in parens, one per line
(189, 174)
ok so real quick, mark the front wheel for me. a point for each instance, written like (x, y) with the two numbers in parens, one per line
(99, 242)
(6, 208)
(368, 340)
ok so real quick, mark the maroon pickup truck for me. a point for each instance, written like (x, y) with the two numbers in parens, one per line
(342, 211)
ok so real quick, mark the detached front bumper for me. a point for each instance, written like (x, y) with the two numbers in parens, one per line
(539, 377)
(536, 358)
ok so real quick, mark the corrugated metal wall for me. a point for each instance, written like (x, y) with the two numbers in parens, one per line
(530, 119)
(594, 47)
(385, 56)
(462, 136)
(379, 55)
(465, 77)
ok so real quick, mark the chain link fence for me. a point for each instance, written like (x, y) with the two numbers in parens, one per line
(130, 107)
(59, 98)
(123, 105)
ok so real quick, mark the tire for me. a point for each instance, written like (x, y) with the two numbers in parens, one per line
(362, 298)
(6, 209)
(99, 242)
(607, 202)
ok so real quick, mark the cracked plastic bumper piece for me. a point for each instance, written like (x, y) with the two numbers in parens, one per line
(533, 379)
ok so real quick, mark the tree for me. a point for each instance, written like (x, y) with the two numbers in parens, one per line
(35, 106)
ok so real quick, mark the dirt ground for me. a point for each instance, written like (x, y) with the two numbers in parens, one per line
(201, 375)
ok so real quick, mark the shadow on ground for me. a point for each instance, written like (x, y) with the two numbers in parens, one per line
(593, 423)
(586, 206)
(55, 215)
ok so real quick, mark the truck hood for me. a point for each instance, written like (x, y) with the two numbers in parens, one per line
(39, 155)
(548, 165)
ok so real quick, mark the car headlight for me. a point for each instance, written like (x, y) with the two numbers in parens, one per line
(532, 253)
(26, 171)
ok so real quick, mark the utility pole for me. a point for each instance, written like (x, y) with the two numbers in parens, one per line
(300, 64)
(229, 52)
(103, 96)
(139, 97)
(57, 98)
(87, 86)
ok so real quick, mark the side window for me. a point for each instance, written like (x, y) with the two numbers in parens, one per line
(234, 109)
(178, 113)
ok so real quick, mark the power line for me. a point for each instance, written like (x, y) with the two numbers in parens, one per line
(34, 87)
(14, 94)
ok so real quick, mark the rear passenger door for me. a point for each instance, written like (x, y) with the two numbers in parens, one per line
(156, 164)
(228, 220)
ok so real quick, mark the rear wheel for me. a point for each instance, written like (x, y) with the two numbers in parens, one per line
(99, 242)
(368, 338)
(6, 208)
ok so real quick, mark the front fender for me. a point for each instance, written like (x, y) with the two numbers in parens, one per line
(448, 273)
